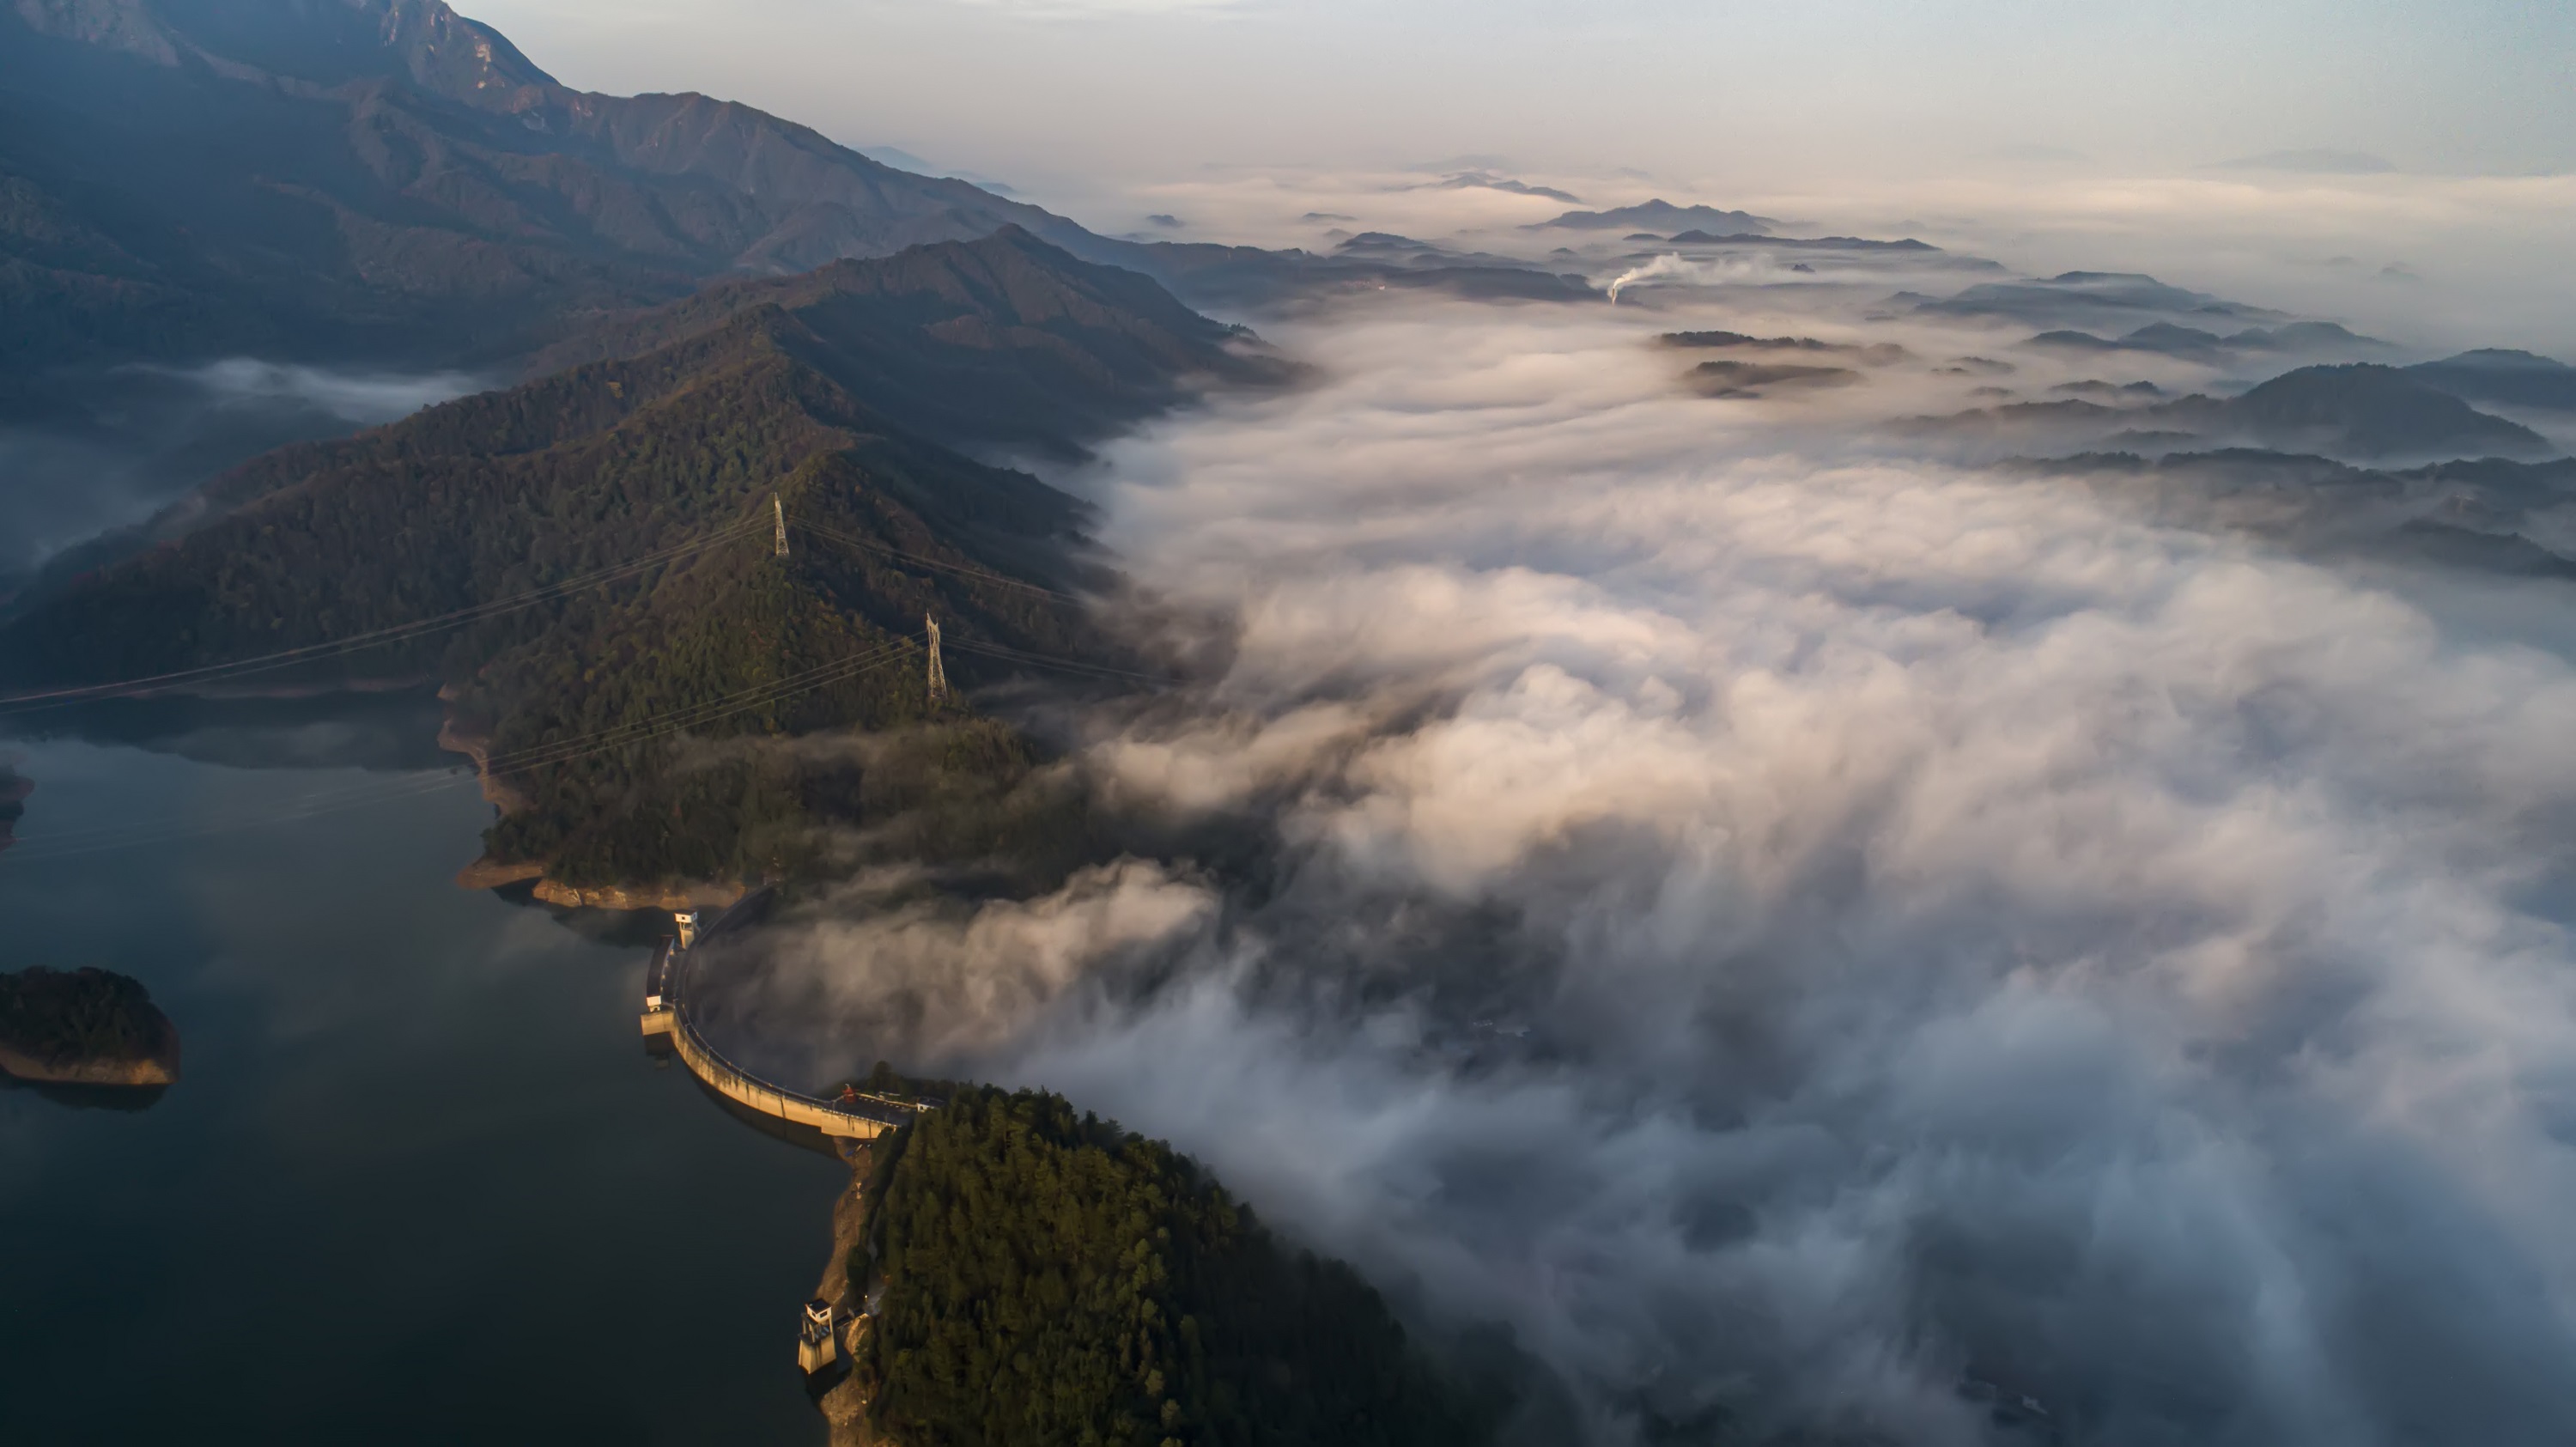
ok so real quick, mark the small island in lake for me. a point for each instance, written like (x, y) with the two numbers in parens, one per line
(14, 789)
(84, 1027)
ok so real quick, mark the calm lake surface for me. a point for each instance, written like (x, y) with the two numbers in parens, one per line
(418, 1182)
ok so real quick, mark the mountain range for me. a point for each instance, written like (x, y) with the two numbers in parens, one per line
(2504, 377)
(1660, 215)
(2194, 344)
(385, 179)
(2082, 298)
(2355, 410)
(2493, 516)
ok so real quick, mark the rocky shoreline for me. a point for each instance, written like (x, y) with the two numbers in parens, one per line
(158, 1069)
(457, 736)
(844, 1407)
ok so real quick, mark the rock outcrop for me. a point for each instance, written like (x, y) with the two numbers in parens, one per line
(844, 1405)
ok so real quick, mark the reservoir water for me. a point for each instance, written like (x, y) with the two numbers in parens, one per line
(418, 1182)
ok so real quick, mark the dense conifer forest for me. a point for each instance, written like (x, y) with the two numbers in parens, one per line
(1047, 1279)
(625, 718)
(62, 1017)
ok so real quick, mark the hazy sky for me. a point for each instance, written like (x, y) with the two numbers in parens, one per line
(1717, 92)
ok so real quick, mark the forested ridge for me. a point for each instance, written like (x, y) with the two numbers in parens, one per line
(1050, 1280)
(494, 496)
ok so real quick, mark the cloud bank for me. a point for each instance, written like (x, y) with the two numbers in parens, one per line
(1786, 927)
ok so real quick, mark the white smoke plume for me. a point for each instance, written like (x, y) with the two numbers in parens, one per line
(1672, 266)
(1784, 927)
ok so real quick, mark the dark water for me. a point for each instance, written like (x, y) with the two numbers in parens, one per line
(418, 1182)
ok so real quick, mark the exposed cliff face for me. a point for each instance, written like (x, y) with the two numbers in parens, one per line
(84, 1027)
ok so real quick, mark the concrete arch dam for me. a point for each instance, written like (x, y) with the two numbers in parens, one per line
(850, 1117)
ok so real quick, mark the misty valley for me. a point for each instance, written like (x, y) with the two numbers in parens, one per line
(1456, 804)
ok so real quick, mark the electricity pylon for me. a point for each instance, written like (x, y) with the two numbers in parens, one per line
(938, 675)
(781, 509)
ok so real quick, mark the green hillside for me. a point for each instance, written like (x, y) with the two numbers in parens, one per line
(1050, 1280)
(620, 462)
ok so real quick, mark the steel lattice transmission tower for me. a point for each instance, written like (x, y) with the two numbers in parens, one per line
(938, 675)
(781, 509)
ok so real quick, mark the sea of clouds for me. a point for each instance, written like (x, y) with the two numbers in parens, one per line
(1785, 926)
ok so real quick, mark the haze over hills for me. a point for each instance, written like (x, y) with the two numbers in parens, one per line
(2084, 298)
(2358, 410)
(2503, 376)
(2365, 409)
(1663, 216)
(2173, 340)
(2495, 516)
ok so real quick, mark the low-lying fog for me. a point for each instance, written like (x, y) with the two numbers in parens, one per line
(136, 439)
(1786, 924)
(2446, 261)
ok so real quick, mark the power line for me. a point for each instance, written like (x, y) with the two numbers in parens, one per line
(554, 752)
(1067, 665)
(405, 632)
(759, 696)
(980, 575)
(397, 633)
(562, 751)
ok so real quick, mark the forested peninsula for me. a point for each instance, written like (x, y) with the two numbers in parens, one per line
(1040, 1278)
(663, 703)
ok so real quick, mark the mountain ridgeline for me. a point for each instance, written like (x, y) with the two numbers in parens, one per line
(1049, 1280)
(663, 462)
(386, 179)
(388, 183)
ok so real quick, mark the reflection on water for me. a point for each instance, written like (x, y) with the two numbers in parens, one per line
(89, 1097)
(420, 1183)
(14, 789)
(393, 731)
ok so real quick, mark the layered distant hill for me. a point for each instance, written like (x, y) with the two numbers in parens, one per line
(2505, 377)
(386, 178)
(2493, 515)
(688, 425)
(2356, 410)
(1005, 341)
(1660, 216)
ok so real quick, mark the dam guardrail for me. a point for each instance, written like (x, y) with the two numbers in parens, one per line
(666, 1012)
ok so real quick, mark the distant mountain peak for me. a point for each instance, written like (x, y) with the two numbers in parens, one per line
(320, 42)
(1663, 216)
(126, 25)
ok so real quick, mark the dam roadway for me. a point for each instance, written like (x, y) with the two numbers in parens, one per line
(852, 1116)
